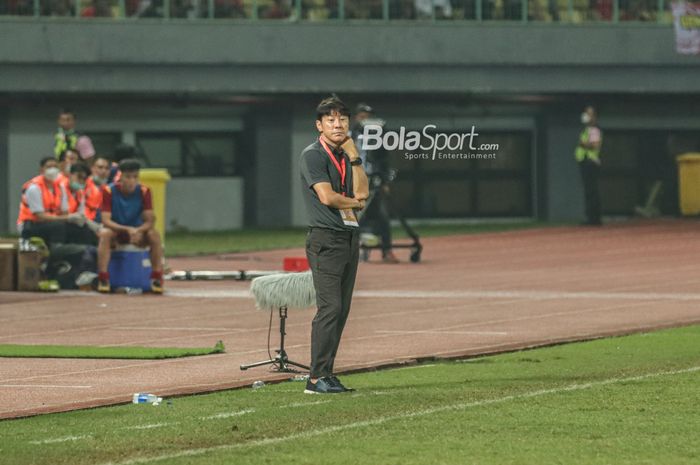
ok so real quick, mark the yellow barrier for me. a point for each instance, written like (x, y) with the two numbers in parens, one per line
(157, 179)
(689, 183)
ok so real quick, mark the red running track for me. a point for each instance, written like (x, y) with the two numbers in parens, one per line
(471, 294)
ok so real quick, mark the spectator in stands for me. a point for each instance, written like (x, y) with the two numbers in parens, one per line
(371, 9)
(57, 8)
(132, 7)
(424, 9)
(17, 7)
(229, 9)
(150, 9)
(637, 10)
(588, 158)
(188, 9)
(43, 209)
(603, 10)
(279, 9)
(97, 9)
(402, 9)
(553, 9)
(127, 217)
(66, 137)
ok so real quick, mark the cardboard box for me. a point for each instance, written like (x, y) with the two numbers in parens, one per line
(29, 271)
(8, 266)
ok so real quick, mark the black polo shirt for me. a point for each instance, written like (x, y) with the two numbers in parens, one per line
(316, 166)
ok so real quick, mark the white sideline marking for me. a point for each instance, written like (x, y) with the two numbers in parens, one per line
(57, 440)
(211, 294)
(536, 295)
(372, 393)
(151, 426)
(304, 404)
(227, 415)
(402, 416)
(418, 366)
(527, 295)
(157, 328)
(50, 386)
(438, 331)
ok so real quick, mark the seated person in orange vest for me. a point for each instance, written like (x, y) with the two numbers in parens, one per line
(43, 209)
(85, 230)
(127, 218)
(93, 187)
(66, 159)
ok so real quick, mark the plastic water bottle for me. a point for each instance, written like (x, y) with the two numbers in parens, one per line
(134, 291)
(299, 378)
(258, 384)
(145, 398)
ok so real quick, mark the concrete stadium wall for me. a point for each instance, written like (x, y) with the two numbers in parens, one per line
(204, 204)
(272, 57)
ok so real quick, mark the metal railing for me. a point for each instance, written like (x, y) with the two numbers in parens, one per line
(565, 11)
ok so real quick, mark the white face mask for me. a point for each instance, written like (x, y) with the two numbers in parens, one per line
(66, 169)
(585, 118)
(98, 180)
(51, 173)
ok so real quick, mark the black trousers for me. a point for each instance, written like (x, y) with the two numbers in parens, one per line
(52, 232)
(590, 172)
(333, 257)
(59, 232)
(80, 235)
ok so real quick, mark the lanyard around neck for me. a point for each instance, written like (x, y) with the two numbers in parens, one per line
(342, 169)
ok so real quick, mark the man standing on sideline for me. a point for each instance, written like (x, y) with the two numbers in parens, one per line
(334, 187)
(588, 158)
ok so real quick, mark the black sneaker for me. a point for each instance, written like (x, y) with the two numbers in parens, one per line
(322, 386)
(335, 381)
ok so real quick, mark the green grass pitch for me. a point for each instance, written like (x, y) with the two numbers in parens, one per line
(117, 352)
(629, 400)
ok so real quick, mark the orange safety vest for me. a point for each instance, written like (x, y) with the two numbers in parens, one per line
(51, 199)
(64, 181)
(74, 200)
(93, 199)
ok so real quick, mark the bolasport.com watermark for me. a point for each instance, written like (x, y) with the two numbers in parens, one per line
(428, 144)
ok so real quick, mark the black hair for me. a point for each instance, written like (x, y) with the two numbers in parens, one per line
(64, 153)
(331, 105)
(80, 168)
(101, 157)
(129, 165)
(124, 151)
(64, 111)
(45, 160)
(363, 107)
